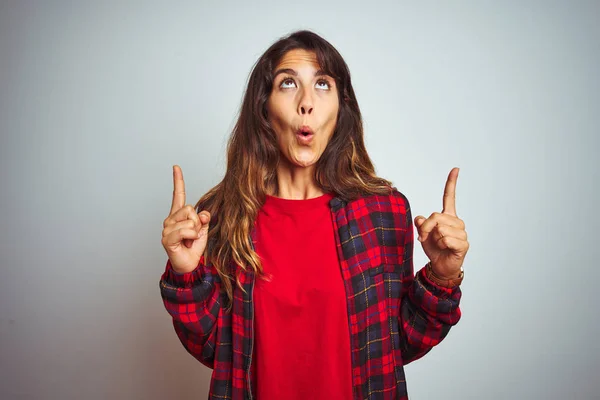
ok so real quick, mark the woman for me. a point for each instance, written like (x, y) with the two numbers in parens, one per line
(293, 277)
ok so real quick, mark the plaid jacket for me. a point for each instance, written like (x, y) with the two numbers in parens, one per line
(394, 316)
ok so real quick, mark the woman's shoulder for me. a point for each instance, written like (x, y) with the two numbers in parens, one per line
(386, 213)
(393, 199)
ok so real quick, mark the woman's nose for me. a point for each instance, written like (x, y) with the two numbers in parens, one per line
(306, 104)
(305, 109)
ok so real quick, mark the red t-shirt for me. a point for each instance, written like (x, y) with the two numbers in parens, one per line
(302, 339)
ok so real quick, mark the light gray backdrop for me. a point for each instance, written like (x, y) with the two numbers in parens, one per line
(98, 101)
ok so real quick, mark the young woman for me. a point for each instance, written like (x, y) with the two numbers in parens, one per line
(293, 277)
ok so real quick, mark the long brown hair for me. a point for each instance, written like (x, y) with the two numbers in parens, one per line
(344, 168)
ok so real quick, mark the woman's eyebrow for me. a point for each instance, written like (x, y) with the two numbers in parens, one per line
(293, 72)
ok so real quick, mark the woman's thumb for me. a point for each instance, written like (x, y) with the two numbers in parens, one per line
(419, 221)
(204, 219)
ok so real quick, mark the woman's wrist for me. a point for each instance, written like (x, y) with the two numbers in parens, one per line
(443, 281)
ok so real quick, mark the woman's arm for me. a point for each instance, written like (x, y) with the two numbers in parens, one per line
(192, 299)
(427, 311)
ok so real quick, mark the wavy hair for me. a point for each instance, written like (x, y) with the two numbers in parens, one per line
(344, 168)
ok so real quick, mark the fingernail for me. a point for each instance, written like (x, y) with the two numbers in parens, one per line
(419, 238)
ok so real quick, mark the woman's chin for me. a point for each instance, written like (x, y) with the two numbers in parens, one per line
(303, 159)
(304, 162)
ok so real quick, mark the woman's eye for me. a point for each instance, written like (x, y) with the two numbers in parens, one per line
(283, 83)
(323, 82)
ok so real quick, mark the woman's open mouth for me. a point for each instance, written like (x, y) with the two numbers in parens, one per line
(305, 135)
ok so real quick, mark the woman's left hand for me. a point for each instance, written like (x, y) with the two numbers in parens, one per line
(443, 235)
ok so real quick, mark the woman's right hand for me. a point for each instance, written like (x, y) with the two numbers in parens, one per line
(185, 233)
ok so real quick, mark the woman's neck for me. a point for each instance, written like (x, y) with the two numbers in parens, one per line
(296, 183)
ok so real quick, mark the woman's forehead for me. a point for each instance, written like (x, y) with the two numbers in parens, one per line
(298, 57)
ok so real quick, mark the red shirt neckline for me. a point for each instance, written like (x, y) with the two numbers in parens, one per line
(290, 205)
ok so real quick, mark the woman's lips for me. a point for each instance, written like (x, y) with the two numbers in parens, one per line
(304, 138)
(305, 134)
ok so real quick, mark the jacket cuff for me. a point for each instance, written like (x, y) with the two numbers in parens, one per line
(438, 302)
(435, 289)
(186, 279)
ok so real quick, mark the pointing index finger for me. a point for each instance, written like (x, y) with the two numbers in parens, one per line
(178, 190)
(449, 200)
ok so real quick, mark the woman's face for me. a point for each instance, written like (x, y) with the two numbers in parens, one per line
(302, 107)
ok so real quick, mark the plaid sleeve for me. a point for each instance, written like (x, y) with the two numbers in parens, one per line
(427, 311)
(192, 299)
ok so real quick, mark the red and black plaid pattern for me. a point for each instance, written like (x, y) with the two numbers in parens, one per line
(395, 317)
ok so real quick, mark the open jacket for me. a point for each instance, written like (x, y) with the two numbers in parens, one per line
(394, 316)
